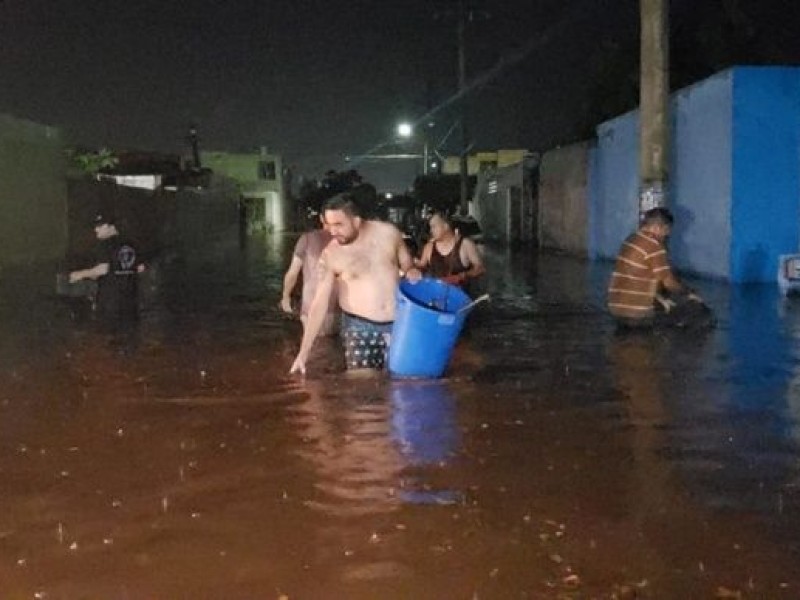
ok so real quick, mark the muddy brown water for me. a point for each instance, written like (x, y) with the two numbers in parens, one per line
(556, 460)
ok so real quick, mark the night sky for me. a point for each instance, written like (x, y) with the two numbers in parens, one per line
(316, 81)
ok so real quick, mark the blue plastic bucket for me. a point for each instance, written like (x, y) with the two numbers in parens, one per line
(426, 326)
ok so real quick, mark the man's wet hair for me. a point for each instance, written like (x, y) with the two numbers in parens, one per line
(344, 202)
(658, 216)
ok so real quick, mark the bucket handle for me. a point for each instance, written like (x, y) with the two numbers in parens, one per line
(472, 304)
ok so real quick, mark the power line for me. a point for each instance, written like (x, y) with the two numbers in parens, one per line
(575, 13)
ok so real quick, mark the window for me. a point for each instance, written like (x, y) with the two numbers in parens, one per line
(266, 170)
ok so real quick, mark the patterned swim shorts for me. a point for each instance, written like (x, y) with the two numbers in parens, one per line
(365, 341)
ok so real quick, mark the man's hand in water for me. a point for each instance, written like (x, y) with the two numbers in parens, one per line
(666, 303)
(299, 365)
(286, 305)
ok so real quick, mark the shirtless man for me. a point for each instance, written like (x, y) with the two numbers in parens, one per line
(304, 260)
(364, 260)
(449, 256)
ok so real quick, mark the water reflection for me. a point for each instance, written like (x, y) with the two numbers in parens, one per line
(197, 451)
(425, 430)
(345, 427)
(720, 406)
(423, 421)
(751, 420)
(640, 374)
(373, 443)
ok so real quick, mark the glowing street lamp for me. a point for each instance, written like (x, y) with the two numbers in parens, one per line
(406, 130)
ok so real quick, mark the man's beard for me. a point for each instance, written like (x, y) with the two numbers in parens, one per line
(344, 241)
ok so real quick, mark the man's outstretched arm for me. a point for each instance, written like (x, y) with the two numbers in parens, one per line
(95, 272)
(316, 314)
(289, 283)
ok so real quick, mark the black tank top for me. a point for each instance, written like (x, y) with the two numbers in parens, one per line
(442, 265)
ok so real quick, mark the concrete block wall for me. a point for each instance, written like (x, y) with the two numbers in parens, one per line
(500, 218)
(33, 193)
(699, 186)
(701, 176)
(734, 181)
(765, 203)
(563, 206)
(614, 180)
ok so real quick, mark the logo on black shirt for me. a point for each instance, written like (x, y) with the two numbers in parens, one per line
(126, 257)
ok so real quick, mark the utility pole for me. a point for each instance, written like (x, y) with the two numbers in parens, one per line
(194, 142)
(462, 85)
(654, 104)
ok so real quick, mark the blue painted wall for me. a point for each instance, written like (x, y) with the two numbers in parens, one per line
(614, 185)
(734, 175)
(700, 176)
(766, 170)
(699, 191)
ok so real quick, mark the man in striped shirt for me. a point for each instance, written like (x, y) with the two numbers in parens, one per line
(642, 276)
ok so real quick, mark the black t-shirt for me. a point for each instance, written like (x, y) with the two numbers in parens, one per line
(116, 291)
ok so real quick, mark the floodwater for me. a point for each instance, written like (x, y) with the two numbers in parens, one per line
(557, 459)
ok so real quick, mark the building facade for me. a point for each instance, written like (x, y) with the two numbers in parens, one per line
(259, 178)
(504, 202)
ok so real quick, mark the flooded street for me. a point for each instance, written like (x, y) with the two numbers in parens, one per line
(558, 459)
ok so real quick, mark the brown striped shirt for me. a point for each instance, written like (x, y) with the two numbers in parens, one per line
(640, 269)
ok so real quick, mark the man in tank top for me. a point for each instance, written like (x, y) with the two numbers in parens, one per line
(448, 255)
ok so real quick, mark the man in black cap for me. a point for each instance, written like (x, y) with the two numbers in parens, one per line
(115, 270)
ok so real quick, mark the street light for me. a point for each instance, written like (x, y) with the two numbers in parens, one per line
(406, 130)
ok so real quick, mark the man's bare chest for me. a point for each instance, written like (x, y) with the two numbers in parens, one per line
(367, 259)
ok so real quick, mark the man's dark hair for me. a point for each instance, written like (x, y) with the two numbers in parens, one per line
(344, 202)
(444, 216)
(658, 216)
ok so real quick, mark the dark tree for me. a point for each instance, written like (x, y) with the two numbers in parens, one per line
(440, 192)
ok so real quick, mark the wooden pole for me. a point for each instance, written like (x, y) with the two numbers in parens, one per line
(654, 104)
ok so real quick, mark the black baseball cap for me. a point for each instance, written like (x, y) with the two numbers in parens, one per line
(102, 219)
